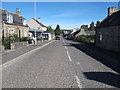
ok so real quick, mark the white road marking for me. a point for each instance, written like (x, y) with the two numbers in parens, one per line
(13, 60)
(78, 63)
(69, 56)
(65, 47)
(76, 77)
(67, 52)
(78, 82)
(63, 41)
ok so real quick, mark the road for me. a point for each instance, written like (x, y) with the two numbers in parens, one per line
(58, 64)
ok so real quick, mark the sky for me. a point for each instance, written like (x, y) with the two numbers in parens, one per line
(60, 0)
(68, 15)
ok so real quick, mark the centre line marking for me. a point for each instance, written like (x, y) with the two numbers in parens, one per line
(78, 82)
(65, 47)
(69, 56)
(63, 41)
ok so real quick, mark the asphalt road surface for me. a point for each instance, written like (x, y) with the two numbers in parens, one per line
(58, 64)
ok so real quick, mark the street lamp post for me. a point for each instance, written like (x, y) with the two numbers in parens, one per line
(35, 19)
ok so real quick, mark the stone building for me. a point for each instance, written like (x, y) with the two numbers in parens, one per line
(14, 24)
(0, 26)
(85, 33)
(108, 32)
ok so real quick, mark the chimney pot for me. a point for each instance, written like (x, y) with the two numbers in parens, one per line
(38, 19)
(18, 11)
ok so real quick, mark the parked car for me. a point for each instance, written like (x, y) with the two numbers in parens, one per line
(57, 37)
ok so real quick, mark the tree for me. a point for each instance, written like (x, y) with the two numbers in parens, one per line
(85, 27)
(92, 27)
(50, 30)
(57, 30)
(97, 23)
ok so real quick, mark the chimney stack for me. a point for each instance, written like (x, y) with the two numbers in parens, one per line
(112, 10)
(38, 19)
(18, 11)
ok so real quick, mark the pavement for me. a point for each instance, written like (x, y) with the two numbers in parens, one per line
(59, 64)
(8, 55)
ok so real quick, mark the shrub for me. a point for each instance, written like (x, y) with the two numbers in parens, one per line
(81, 38)
(91, 41)
(86, 38)
(24, 39)
(0, 42)
(16, 38)
(7, 43)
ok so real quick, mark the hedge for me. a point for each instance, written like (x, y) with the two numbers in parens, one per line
(85, 38)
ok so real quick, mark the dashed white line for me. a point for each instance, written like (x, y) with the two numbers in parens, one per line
(65, 47)
(78, 82)
(69, 56)
(67, 52)
(63, 41)
(76, 77)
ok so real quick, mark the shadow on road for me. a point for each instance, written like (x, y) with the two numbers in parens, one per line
(104, 77)
(107, 58)
(66, 45)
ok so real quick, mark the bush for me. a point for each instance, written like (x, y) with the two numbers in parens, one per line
(7, 43)
(91, 41)
(0, 42)
(16, 38)
(81, 38)
(24, 39)
(86, 38)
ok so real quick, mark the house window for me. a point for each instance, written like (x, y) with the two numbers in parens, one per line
(39, 28)
(9, 18)
(100, 37)
(25, 33)
(11, 31)
(24, 22)
(21, 33)
(18, 32)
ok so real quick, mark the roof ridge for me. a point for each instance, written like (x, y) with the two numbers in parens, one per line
(11, 12)
(39, 22)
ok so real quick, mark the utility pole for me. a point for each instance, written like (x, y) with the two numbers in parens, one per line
(35, 19)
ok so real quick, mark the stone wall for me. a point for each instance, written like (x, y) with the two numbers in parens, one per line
(24, 30)
(18, 45)
(110, 38)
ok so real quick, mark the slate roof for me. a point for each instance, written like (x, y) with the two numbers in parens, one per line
(37, 30)
(17, 20)
(39, 23)
(112, 20)
(75, 33)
